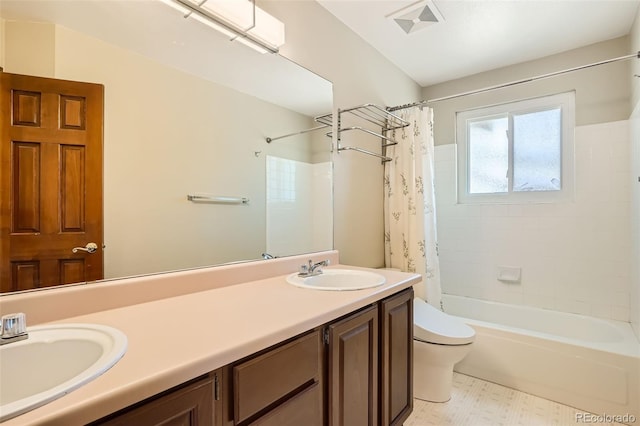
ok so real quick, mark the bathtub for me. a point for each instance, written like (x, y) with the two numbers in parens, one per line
(584, 362)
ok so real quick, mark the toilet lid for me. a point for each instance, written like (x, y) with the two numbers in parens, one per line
(434, 326)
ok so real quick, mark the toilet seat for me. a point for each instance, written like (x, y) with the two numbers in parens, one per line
(431, 325)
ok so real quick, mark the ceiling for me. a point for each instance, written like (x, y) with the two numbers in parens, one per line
(480, 35)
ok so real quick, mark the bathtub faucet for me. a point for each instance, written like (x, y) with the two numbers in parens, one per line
(312, 269)
(13, 328)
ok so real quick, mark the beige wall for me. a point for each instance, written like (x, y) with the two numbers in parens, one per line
(30, 48)
(635, 180)
(360, 74)
(168, 134)
(634, 41)
(602, 93)
(1, 43)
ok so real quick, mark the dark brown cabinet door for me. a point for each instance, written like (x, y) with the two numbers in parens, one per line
(396, 358)
(353, 370)
(191, 405)
(51, 181)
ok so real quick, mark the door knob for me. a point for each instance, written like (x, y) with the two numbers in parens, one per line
(89, 248)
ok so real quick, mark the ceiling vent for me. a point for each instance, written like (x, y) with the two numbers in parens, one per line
(417, 16)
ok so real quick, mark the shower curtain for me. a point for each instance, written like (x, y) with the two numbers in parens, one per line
(410, 214)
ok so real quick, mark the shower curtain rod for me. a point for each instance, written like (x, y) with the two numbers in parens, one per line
(514, 83)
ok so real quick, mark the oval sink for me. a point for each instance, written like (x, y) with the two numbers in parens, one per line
(52, 362)
(338, 279)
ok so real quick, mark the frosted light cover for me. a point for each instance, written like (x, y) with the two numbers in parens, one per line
(537, 152)
(488, 155)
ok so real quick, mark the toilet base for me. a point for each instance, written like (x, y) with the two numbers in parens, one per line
(432, 384)
(433, 369)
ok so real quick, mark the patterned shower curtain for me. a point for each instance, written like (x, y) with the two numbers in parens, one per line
(410, 214)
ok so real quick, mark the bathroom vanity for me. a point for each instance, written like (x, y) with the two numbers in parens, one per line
(250, 349)
(355, 370)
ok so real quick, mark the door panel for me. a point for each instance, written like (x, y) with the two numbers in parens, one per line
(353, 370)
(72, 179)
(72, 112)
(51, 179)
(25, 275)
(26, 187)
(396, 349)
(26, 108)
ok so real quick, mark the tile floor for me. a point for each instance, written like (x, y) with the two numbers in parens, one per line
(475, 402)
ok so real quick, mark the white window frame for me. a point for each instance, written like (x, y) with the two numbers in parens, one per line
(564, 101)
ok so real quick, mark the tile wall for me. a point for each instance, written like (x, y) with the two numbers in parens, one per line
(634, 160)
(575, 256)
(298, 206)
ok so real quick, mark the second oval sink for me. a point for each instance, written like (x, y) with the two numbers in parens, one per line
(52, 362)
(338, 279)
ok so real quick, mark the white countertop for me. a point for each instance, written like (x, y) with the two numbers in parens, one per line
(176, 339)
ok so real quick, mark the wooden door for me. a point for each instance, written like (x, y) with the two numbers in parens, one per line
(396, 358)
(353, 370)
(51, 181)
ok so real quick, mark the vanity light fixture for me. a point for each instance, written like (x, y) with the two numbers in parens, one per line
(239, 20)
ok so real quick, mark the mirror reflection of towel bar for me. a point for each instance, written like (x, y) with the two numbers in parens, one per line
(217, 199)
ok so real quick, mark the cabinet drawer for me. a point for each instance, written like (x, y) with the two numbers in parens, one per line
(262, 381)
(191, 405)
(303, 409)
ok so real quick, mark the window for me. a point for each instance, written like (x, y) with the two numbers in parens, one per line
(517, 152)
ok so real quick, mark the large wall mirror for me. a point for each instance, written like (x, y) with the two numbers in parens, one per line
(186, 112)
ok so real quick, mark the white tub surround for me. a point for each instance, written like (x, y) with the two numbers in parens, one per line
(573, 257)
(222, 314)
(634, 128)
(584, 362)
(303, 225)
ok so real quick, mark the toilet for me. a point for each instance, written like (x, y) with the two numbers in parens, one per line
(439, 342)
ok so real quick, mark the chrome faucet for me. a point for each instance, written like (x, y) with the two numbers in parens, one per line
(267, 256)
(13, 328)
(312, 269)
